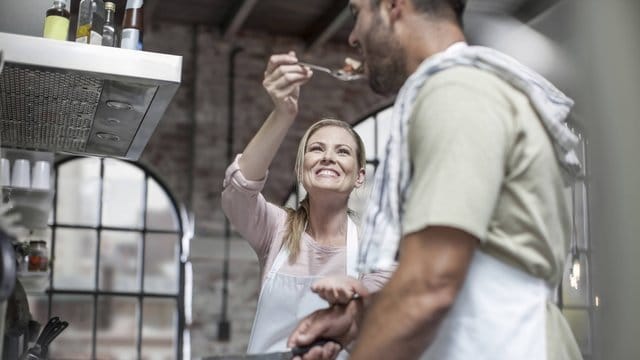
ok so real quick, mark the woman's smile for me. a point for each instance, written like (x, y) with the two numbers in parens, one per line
(330, 161)
(325, 172)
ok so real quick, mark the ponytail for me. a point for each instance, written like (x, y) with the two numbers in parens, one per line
(296, 225)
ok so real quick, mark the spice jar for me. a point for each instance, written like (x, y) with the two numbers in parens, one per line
(38, 256)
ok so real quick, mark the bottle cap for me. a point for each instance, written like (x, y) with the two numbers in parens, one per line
(134, 4)
(109, 6)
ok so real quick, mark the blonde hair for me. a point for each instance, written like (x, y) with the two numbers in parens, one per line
(297, 218)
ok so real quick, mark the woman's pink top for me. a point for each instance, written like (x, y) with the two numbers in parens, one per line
(262, 224)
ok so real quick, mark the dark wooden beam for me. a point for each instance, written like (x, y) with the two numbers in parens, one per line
(149, 13)
(327, 26)
(238, 17)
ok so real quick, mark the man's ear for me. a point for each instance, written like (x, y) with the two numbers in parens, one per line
(395, 8)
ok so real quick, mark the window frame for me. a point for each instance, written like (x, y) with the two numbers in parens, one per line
(183, 234)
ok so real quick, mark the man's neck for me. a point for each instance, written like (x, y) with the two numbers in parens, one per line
(429, 38)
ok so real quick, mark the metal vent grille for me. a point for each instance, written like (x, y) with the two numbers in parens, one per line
(45, 109)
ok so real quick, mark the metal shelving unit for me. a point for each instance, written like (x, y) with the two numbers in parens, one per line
(66, 97)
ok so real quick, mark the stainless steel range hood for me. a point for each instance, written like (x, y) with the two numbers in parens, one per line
(65, 97)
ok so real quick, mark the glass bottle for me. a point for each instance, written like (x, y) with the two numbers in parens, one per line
(38, 256)
(91, 16)
(56, 22)
(132, 26)
(109, 29)
(83, 30)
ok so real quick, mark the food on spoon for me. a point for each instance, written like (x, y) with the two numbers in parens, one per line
(352, 66)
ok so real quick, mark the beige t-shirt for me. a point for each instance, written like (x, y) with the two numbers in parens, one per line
(483, 163)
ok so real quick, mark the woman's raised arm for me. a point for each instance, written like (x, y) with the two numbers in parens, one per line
(282, 80)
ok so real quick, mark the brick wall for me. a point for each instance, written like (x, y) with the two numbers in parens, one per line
(189, 152)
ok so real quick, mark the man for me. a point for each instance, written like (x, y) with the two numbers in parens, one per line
(472, 183)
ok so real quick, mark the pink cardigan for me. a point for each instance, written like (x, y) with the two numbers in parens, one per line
(262, 224)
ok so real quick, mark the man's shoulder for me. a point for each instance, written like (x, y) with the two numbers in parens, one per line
(468, 82)
(467, 76)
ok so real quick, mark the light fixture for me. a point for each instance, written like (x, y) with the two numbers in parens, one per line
(574, 272)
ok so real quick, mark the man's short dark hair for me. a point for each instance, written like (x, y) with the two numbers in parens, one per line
(451, 8)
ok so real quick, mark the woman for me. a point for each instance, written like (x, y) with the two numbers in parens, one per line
(318, 240)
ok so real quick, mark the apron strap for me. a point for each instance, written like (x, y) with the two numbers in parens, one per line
(352, 249)
(282, 256)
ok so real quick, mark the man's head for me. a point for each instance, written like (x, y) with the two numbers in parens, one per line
(386, 46)
(451, 9)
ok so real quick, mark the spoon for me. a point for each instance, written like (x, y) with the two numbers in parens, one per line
(338, 74)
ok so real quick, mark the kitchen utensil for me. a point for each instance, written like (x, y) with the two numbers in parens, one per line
(40, 349)
(338, 74)
(44, 349)
(282, 355)
(34, 352)
(48, 326)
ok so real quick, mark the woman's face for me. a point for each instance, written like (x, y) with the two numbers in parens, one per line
(331, 162)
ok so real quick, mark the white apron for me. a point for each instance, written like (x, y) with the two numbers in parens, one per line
(499, 314)
(286, 299)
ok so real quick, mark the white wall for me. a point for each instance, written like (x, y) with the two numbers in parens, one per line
(606, 36)
(597, 62)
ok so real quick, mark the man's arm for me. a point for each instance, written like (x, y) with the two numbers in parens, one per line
(404, 318)
(340, 323)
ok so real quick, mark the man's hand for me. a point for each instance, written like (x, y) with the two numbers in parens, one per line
(339, 323)
(339, 289)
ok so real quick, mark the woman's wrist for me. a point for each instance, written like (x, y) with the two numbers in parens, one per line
(282, 114)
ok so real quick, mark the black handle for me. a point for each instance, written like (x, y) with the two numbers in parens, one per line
(301, 350)
(52, 335)
(55, 332)
(47, 329)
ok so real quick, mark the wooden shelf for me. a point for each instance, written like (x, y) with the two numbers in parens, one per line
(34, 281)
